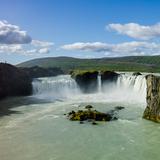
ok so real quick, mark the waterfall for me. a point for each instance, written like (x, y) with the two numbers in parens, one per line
(99, 82)
(132, 87)
(134, 83)
(58, 87)
(127, 88)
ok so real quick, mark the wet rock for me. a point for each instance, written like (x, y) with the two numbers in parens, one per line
(136, 74)
(152, 111)
(94, 123)
(119, 108)
(87, 80)
(89, 115)
(89, 107)
(92, 115)
(109, 76)
(81, 122)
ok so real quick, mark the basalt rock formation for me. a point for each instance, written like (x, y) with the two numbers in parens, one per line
(109, 76)
(87, 80)
(14, 81)
(137, 74)
(152, 111)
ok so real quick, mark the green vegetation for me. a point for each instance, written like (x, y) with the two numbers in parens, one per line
(132, 63)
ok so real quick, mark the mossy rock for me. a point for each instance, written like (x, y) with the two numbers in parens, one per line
(93, 115)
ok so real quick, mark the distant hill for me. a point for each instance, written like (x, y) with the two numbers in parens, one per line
(131, 63)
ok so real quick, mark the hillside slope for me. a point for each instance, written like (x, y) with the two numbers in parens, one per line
(132, 63)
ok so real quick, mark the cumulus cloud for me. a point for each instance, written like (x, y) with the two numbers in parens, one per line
(43, 50)
(95, 46)
(12, 34)
(22, 50)
(10, 48)
(121, 49)
(135, 30)
(38, 43)
(14, 40)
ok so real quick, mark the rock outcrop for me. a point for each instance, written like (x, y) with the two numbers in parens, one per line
(137, 74)
(109, 76)
(152, 111)
(91, 115)
(14, 81)
(87, 80)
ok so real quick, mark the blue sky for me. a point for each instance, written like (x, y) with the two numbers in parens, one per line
(68, 22)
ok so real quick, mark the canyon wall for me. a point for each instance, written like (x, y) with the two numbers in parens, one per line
(152, 111)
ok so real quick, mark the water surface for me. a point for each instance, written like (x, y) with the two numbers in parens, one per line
(39, 130)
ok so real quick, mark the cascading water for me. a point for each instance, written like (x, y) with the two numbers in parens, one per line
(55, 87)
(127, 88)
(99, 81)
(132, 87)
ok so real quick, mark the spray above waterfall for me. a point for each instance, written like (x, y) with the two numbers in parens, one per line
(126, 88)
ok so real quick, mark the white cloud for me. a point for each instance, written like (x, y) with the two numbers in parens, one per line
(22, 49)
(121, 49)
(38, 43)
(14, 40)
(43, 50)
(135, 30)
(89, 46)
(12, 34)
(11, 48)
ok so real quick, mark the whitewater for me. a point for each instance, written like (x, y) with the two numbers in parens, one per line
(127, 88)
(39, 129)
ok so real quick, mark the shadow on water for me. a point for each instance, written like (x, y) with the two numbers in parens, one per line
(7, 104)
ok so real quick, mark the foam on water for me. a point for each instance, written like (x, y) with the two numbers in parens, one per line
(128, 88)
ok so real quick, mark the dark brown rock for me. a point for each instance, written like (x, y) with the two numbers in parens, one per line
(136, 74)
(87, 80)
(109, 76)
(14, 81)
(90, 115)
(152, 111)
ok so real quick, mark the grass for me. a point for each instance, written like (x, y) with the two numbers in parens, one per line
(133, 63)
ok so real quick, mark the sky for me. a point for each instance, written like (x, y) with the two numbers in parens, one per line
(78, 28)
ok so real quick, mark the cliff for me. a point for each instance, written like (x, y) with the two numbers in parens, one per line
(88, 80)
(152, 111)
(14, 81)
